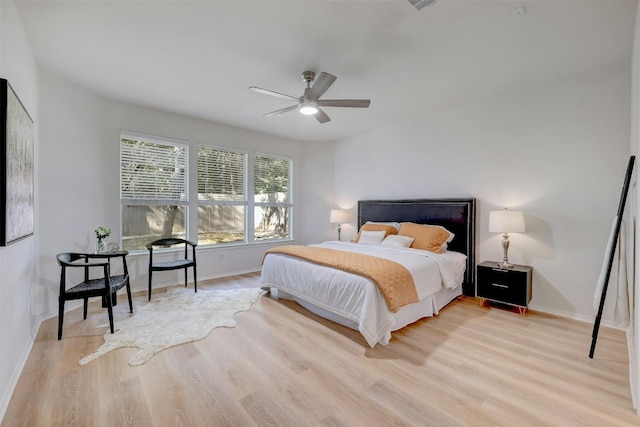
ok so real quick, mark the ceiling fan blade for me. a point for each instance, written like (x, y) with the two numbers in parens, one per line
(272, 93)
(280, 111)
(353, 103)
(321, 84)
(322, 117)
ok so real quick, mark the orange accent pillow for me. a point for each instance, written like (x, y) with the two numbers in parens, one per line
(429, 237)
(388, 229)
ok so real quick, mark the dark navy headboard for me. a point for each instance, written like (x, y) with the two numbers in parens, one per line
(456, 215)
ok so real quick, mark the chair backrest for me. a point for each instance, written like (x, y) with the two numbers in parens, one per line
(170, 242)
(68, 257)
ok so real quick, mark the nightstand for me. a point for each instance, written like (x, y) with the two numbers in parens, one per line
(512, 286)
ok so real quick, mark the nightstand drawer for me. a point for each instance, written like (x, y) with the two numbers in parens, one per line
(510, 286)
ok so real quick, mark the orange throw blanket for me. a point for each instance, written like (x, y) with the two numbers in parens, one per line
(393, 279)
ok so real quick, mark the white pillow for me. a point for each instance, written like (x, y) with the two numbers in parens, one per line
(371, 237)
(395, 225)
(397, 241)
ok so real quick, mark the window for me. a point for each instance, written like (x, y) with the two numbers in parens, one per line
(272, 197)
(222, 200)
(153, 189)
(225, 211)
(154, 193)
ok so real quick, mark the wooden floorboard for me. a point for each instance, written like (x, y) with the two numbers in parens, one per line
(284, 366)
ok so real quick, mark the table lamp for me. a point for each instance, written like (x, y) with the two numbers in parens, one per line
(339, 216)
(506, 221)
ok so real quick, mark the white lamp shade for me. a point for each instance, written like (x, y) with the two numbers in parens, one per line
(339, 216)
(506, 221)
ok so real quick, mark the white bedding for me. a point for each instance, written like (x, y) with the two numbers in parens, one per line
(357, 299)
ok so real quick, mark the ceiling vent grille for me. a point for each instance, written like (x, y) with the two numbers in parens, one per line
(419, 4)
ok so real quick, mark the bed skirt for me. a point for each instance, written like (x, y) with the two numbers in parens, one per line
(428, 307)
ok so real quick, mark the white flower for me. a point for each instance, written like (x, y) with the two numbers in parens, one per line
(102, 232)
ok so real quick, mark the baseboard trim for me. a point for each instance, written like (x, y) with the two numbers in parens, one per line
(15, 377)
(573, 316)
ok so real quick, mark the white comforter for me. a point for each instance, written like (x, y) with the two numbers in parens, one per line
(354, 297)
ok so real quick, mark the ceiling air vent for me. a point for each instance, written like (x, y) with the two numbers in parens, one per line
(419, 4)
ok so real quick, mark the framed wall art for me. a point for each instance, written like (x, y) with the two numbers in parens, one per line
(16, 167)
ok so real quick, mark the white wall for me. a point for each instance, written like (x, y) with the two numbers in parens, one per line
(316, 198)
(18, 260)
(79, 181)
(558, 152)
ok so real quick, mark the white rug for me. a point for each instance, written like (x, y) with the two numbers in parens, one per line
(177, 317)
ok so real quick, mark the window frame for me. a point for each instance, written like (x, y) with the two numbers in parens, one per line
(288, 204)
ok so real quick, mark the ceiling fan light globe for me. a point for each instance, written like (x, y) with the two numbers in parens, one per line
(308, 110)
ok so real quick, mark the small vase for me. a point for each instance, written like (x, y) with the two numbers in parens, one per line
(100, 246)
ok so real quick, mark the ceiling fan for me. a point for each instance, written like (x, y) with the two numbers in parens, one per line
(310, 102)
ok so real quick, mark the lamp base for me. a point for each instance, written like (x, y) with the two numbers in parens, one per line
(505, 247)
(505, 264)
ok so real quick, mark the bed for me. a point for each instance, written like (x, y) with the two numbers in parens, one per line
(354, 300)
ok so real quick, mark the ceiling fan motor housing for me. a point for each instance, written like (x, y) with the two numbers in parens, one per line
(308, 76)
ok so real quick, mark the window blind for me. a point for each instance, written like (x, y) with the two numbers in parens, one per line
(153, 171)
(221, 174)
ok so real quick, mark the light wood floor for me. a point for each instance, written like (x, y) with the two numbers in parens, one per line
(283, 366)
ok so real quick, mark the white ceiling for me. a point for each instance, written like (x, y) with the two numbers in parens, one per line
(199, 57)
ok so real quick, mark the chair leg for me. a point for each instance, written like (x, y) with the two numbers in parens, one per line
(86, 304)
(195, 279)
(60, 317)
(185, 276)
(129, 296)
(149, 294)
(110, 311)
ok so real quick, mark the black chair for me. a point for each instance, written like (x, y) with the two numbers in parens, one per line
(104, 285)
(177, 264)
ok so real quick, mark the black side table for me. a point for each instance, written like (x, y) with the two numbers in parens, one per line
(512, 286)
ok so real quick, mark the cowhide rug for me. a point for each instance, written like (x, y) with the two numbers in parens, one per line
(179, 316)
